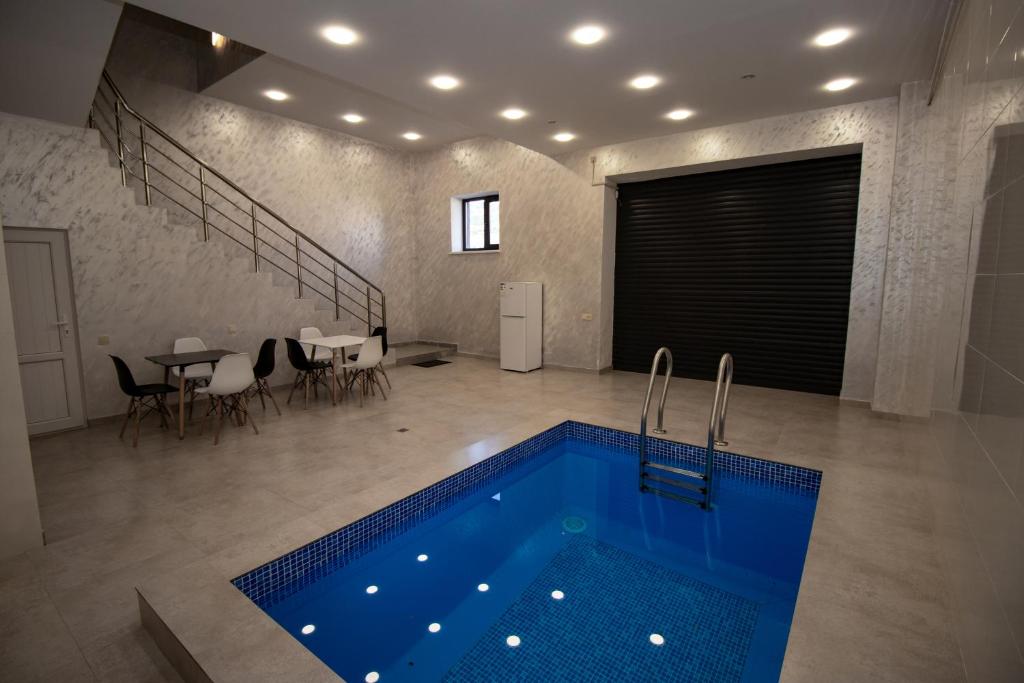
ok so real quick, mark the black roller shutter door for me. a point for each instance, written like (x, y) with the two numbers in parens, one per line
(754, 261)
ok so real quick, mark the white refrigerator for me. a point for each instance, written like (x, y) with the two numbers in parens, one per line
(521, 325)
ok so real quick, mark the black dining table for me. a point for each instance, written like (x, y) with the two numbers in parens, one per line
(182, 361)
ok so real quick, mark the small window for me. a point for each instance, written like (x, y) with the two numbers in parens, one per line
(481, 227)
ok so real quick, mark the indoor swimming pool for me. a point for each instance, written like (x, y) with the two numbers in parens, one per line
(546, 562)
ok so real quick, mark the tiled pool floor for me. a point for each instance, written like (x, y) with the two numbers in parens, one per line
(872, 603)
(707, 630)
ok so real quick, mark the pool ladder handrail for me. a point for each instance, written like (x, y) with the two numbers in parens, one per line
(716, 437)
(716, 423)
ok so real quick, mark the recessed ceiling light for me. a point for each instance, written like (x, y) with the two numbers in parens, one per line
(372, 677)
(352, 117)
(679, 114)
(513, 641)
(513, 114)
(840, 84)
(307, 629)
(645, 81)
(445, 82)
(371, 589)
(412, 135)
(657, 639)
(588, 34)
(557, 595)
(416, 136)
(564, 136)
(831, 37)
(340, 35)
(276, 95)
(434, 628)
(483, 588)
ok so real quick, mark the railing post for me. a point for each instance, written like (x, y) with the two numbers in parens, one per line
(383, 310)
(369, 313)
(337, 305)
(120, 142)
(255, 239)
(202, 199)
(298, 265)
(145, 162)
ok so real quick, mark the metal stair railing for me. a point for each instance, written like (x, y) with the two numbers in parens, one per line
(164, 166)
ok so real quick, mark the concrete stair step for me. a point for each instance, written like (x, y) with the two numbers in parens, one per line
(417, 352)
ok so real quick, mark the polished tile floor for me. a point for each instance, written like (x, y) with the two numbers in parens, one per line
(873, 603)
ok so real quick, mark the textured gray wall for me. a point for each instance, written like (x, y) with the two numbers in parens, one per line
(550, 232)
(558, 227)
(139, 279)
(351, 196)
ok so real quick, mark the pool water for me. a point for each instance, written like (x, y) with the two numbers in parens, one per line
(562, 570)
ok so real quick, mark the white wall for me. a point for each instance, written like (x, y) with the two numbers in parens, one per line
(970, 224)
(20, 527)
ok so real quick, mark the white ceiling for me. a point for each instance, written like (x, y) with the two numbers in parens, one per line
(321, 100)
(515, 53)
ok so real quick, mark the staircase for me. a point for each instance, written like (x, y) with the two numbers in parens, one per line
(220, 215)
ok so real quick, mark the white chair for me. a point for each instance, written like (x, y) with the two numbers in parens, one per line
(314, 352)
(195, 375)
(364, 368)
(227, 391)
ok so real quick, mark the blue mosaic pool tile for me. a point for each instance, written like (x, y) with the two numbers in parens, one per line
(282, 577)
(707, 631)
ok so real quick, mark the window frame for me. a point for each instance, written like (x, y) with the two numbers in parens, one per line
(487, 200)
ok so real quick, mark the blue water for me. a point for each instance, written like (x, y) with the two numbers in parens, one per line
(579, 566)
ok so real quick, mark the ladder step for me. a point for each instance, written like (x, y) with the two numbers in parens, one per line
(673, 482)
(674, 470)
(675, 496)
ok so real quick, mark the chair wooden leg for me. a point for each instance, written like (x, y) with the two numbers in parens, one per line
(220, 418)
(380, 366)
(248, 418)
(379, 385)
(160, 409)
(138, 420)
(127, 417)
(270, 395)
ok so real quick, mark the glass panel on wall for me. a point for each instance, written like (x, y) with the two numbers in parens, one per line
(475, 224)
(495, 224)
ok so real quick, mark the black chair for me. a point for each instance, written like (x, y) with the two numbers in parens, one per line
(262, 370)
(309, 371)
(381, 332)
(149, 396)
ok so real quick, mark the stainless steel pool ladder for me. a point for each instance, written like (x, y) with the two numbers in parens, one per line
(694, 487)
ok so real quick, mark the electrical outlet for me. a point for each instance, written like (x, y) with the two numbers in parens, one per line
(587, 316)
(103, 340)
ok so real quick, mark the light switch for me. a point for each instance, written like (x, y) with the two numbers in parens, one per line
(103, 340)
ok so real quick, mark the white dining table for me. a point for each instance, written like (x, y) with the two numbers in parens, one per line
(339, 341)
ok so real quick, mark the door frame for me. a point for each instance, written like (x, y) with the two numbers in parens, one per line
(61, 244)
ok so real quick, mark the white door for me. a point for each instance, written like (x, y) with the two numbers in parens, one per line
(44, 328)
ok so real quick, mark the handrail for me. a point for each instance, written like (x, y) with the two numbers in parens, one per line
(659, 429)
(716, 423)
(122, 147)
